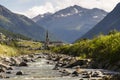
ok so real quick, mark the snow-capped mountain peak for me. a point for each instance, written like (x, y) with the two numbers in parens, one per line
(41, 16)
(72, 21)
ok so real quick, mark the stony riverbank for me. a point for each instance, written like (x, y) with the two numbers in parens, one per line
(65, 65)
(7, 64)
(63, 61)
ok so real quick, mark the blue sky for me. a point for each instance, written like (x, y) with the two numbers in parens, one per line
(32, 8)
(22, 5)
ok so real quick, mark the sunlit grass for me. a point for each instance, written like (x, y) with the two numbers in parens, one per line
(28, 47)
(30, 43)
(101, 48)
(22, 47)
(7, 50)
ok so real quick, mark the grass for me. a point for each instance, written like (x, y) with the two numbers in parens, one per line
(101, 48)
(15, 48)
(31, 44)
(7, 50)
(27, 47)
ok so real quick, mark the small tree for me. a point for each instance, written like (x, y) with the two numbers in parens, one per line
(114, 31)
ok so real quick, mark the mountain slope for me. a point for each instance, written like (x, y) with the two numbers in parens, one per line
(20, 24)
(110, 22)
(13, 35)
(72, 22)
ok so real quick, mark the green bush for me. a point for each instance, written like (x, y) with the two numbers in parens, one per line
(100, 48)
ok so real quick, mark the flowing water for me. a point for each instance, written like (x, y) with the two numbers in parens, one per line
(39, 70)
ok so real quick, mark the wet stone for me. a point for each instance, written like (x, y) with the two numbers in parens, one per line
(8, 72)
(2, 76)
(23, 64)
(2, 70)
(19, 73)
(10, 68)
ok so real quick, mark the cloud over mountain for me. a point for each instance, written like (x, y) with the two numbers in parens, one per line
(61, 4)
(47, 7)
(32, 8)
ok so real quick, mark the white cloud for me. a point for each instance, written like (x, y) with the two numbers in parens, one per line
(24, 1)
(102, 4)
(60, 4)
(48, 7)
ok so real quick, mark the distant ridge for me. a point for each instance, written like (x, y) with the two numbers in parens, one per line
(110, 22)
(13, 35)
(70, 23)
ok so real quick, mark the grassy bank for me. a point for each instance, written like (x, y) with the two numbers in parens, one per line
(28, 47)
(7, 50)
(101, 48)
(14, 48)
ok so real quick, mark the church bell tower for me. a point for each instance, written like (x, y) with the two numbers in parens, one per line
(47, 40)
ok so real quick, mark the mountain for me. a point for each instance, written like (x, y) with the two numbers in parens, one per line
(109, 23)
(20, 24)
(40, 17)
(13, 35)
(72, 22)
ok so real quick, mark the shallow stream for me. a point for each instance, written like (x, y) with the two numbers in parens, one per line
(40, 70)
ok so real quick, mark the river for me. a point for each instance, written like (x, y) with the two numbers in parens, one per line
(40, 70)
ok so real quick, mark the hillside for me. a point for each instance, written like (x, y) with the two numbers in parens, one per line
(70, 23)
(18, 47)
(13, 35)
(20, 24)
(110, 22)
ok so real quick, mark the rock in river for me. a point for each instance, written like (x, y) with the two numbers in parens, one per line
(19, 73)
(23, 64)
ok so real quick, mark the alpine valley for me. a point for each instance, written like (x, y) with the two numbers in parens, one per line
(70, 23)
